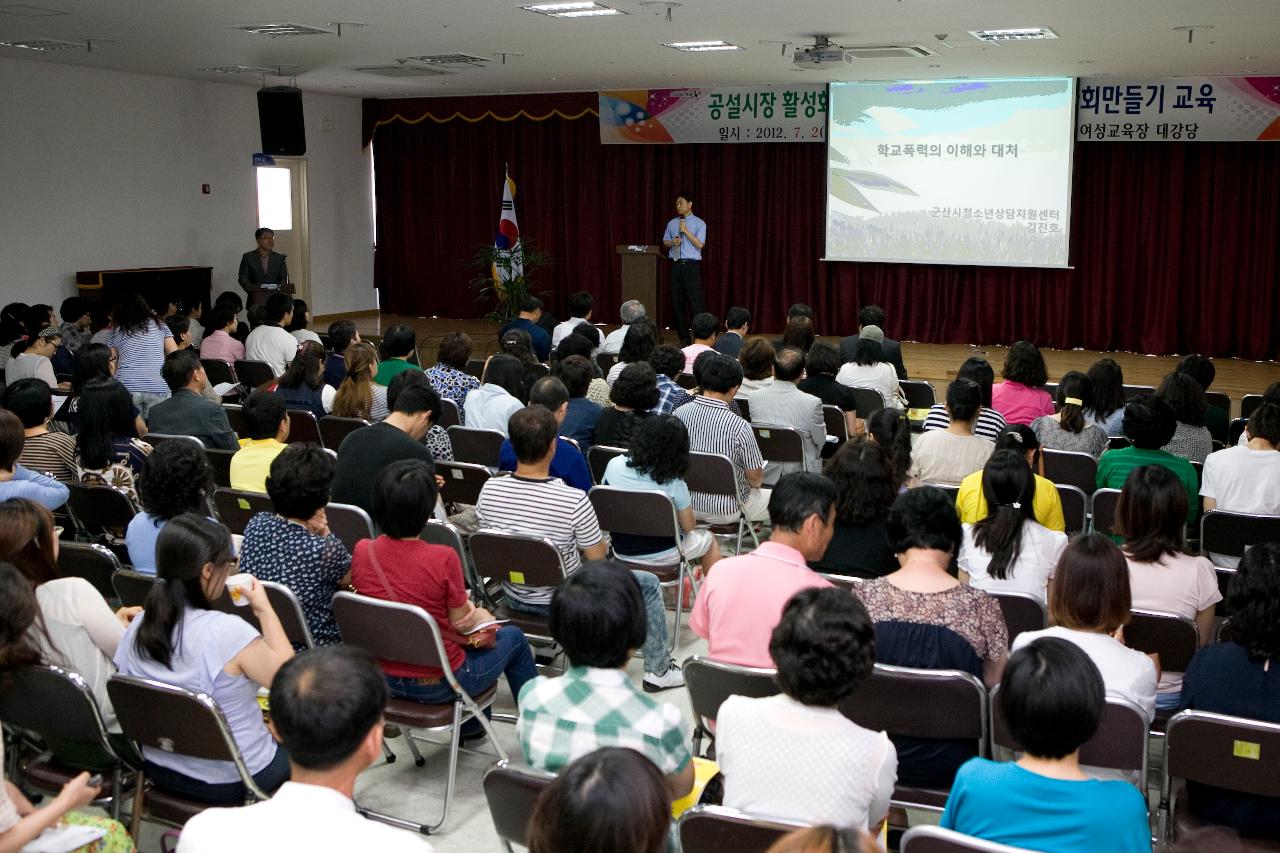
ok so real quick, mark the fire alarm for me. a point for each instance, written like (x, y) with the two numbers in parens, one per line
(204, 189)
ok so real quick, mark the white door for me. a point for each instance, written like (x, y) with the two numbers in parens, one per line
(282, 207)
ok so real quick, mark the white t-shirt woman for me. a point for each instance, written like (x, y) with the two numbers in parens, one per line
(880, 377)
(1038, 554)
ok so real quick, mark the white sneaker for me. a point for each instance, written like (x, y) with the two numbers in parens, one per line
(673, 677)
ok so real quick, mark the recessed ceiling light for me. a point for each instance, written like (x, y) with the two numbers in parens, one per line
(573, 10)
(1084, 62)
(282, 29)
(701, 46)
(1014, 34)
(24, 11)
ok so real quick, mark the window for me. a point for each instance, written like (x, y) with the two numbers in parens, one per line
(275, 198)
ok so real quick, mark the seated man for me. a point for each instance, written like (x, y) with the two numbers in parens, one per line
(741, 600)
(949, 455)
(668, 362)
(737, 323)
(414, 406)
(266, 417)
(342, 334)
(781, 403)
(580, 305)
(269, 342)
(1149, 423)
(703, 329)
(873, 315)
(527, 321)
(631, 311)
(579, 422)
(187, 412)
(568, 463)
(534, 503)
(598, 617)
(715, 428)
(326, 708)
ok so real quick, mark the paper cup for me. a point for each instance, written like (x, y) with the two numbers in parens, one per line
(238, 588)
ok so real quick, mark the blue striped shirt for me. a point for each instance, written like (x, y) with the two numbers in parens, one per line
(715, 428)
(141, 356)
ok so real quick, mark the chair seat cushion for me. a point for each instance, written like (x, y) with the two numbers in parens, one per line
(1186, 824)
(665, 574)
(417, 715)
(530, 623)
(172, 808)
(50, 774)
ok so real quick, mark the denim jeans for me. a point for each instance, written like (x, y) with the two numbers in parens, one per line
(268, 778)
(511, 656)
(656, 658)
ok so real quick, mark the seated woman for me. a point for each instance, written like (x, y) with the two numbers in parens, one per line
(298, 325)
(303, 386)
(1089, 606)
(108, 451)
(799, 333)
(293, 545)
(31, 358)
(634, 395)
(1163, 574)
(1021, 397)
(990, 423)
(359, 396)
(890, 429)
(927, 619)
(93, 361)
(971, 502)
(519, 344)
(1068, 429)
(397, 345)
(398, 566)
(1107, 411)
(179, 640)
(1236, 677)
(1052, 699)
(637, 346)
(767, 749)
(820, 368)
(17, 481)
(869, 369)
(756, 358)
(949, 455)
(492, 404)
(449, 374)
(176, 478)
(865, 490)
(1191, 439)
(43, 450)
(1009, 551)
(657, 462)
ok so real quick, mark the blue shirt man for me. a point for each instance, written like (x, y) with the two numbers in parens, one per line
(685, 237)
(527, 321)
(568, 464)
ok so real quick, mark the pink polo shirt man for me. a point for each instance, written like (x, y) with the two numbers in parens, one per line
(741, 601)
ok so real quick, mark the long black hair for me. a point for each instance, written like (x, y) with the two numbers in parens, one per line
(892, 431)
(1075, 396)
(507, 373)
(93, 361)
(106, 413)
(132, 315)
(307, 368)
(1108, 387)
(20, 622)
(1009, 488)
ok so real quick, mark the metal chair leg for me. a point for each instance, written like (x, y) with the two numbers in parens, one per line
(388, 753)
(418, 760)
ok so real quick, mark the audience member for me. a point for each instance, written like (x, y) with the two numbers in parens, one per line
(989, 422)
(668, 363)
(568, 463)
(178, 639)
(891, 429)
(820, 367)
(449, 374)
(1067, 429)
(399, 343)
(634, 396)
(108, 451)
(704, 329)
(783, 404)
(740, 602)
(342, 334)
(176, 478)
(220, 344)
(1235, 677)
(358, 396)
(140, 342)
(927, 619)
(1089, 605)
(1238, 479)
(1021, 397)
(737, 324)
(580, 305)
(77, 322)
(43, 450)
(269, 342)
(598, 616)
(575, 344)
(1191, 439)
(865, 490)
(1270, 395)
(637, 346)
(187, 412)
(580, 418)
(266, 419)
(415, 406)
(293, 546)
(949, 455)
(799, 333)
(629, 312)
(971, 501)
(870, 370)
(891, 350)
(768, 749)
(1052, 699)
(756, 358)
(302, 386)
(94, 361)
(1163, 574)
(180, 328)
(1216, 419)
(527, 321)
(517, 342)
(492, 404)
(31, 358)
(1107, 411)
(1008, 550)
(1149, 424)
(301, 320)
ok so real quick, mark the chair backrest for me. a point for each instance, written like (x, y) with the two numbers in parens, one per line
(1075, 507)
(934, 839)
(58, 705)
(218, 371)
(635, 513)
(157, 438)
(1223, 751)
(1072, 469)
(714, 829)
(952, 490)
(606, 360)
(1118, 442)
(235, 417)
(833, 417)
(389, 630)
(849, 582)
(174, 719)
(1104, 503)
(98, 509)
(1234, 430)
(1217, 398)
(711, 473)
(1231, 532)
(94, 563)
(779, 444)
(598, 457)
(462, 480)
(925, 703)
(475, 366)
(868, 401)
(254, 374)
(1120, 743)
(1172, 636)
(516, 558)
(448, 413)
(919, 393)
(349, 523)
(334, 429)
(289, 611)
(303, 427)
(220, 462)
(1131, 391)
(480, 446)
(686, 381)
(234, 507)
(1022, 612)
(1249, 404)
(132, 588)
(444, 533)
(744, 407)
(511, 793)
(710, 682)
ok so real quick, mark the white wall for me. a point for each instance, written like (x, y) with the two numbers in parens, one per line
(102, 170)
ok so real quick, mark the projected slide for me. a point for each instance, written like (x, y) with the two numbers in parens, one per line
(951, 172)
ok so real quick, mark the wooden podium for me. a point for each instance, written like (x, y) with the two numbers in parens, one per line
(640, 278)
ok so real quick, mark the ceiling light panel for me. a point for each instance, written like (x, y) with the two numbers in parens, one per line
(1014, 34)
(573, 10)
(701, 46)
(240, 69)
(280, 30)
(43, 45)
(451, 60)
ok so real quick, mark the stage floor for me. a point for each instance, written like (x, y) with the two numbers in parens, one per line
(936, 363)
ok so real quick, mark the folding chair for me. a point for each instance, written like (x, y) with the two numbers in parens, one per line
(779, 444)
(445, 534)
(1131, 391)
(94, 563)
(407, 634)
(1103, 503)
(1118, 442)
(58, 705)
(516, 558)
(686, 381)
(1234, 430)
(349, 523)
(744, 407)
(715, 829)
(1022, 612)
(479, 446)
(218, 371)
(1217, 398)
(286, 606)
(177, 720)
(132, 588)
(1219, 750)
(1072, 469)
(462, 481)
(1249, 404)
(303, 427)
(952, 490)
(334, 429)
(598, 458)
(254, 374)
(155, 439)
(1075, 506)
(606, 360)
(475, 367)
(234, 507)
(511, 793)
(102, 513)
(1231, 532)
(235, 417)
(868, 401)
(919, 394)
(710, 682)
(220, 462)
(941, 704)
(713, 474)
(1173, 637)
(1051, 388)
(934, 839)
(837, 428)
(448, 413)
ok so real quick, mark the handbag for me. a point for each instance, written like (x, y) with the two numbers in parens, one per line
(485, 638)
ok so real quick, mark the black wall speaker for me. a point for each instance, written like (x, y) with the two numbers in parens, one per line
(280, 120)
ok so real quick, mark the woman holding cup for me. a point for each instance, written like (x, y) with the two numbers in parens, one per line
(179, 640)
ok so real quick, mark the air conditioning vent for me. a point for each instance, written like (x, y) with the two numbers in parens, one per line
(402, 71)
(452, 60)
(888, 51)
(1016, 34)
(44, 45)
(280, 30)
(240, 69)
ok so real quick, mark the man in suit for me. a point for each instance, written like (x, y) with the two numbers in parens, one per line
(873, 315)
(263, 267)
(187, 412)
(737, 323)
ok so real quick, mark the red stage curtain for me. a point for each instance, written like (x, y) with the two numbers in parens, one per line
(1174, 244)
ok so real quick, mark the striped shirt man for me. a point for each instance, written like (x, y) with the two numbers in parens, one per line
(714, 428)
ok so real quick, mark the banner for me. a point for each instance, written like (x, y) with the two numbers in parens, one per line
(1179, 109)
(781, 113)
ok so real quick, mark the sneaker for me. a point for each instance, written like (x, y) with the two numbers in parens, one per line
(673, 677)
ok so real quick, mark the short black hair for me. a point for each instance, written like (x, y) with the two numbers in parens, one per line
(924, 518)
(686, 196)
(178, 368)
(822, 360)
(1025, 364)
(257, 314)
(550, 393)
(1149, 422)
(257, 234)
(532, 431)
(31, 400)
(1264, 423)
(788, 364)
(800, 309)
(341, 334)
(1185, 396)
(719, 373)
(397, 342)
(263, 412)
(73, 308)
(176, 478)
(455, 350)
(756, 358)
(219, 317)
(636, 387)
(299, 321)
(11, 439)
(799, 495)
(964, 398)
(823, 646)
(299, 480)
(410, 392)
(588, 331)
(179, 325)
(1197, 367)
(736, 317)
(324, 703)
(597, 615)
(1052, 697)
(871, 315)
(611, 799)
(231, 299)
(704, 325)
(404, 496)
(667, 360)
(277, 306)
(580, 304)
(979, 370)
(530, 304)
(575, 372)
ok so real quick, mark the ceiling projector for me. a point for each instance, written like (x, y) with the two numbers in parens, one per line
(821, 56)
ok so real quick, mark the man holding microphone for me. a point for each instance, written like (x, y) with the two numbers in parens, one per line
(685, 236)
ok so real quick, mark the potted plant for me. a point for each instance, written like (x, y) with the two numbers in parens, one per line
(513, 280)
